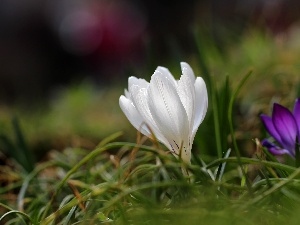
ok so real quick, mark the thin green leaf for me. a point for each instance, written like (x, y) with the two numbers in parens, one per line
(230, 119)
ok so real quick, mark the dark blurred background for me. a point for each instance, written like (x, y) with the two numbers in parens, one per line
(49, 43)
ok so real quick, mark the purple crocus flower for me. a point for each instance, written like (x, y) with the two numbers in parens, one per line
(284, 127)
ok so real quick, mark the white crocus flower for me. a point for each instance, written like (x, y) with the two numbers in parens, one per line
(172, 109)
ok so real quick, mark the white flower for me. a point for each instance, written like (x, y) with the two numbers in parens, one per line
(173, 109)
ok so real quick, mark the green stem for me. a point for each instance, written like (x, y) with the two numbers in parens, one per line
(216, 118)
(245, 160)
(15, 212)
(297, 152)
(235, 146)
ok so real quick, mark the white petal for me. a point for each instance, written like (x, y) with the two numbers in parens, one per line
(188, 71)
(127, 94)
(186, 154)
(133, 115)
(142, 83)
(167, 74)
(186, 91)
(140, 100)
(167, 110)
(201, 103)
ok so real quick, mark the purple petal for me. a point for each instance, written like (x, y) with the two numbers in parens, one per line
(285, 124)
(268, 123)
(274, 149)
(297, 113)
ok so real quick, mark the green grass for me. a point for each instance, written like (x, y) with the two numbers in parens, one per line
(144, 185)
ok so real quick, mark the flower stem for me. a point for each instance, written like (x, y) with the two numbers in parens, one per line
(230, 107)
(297, 152)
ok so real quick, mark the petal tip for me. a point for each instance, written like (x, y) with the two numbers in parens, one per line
(186, 68)
(277, 106)
(263, 116)
(183, 64)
